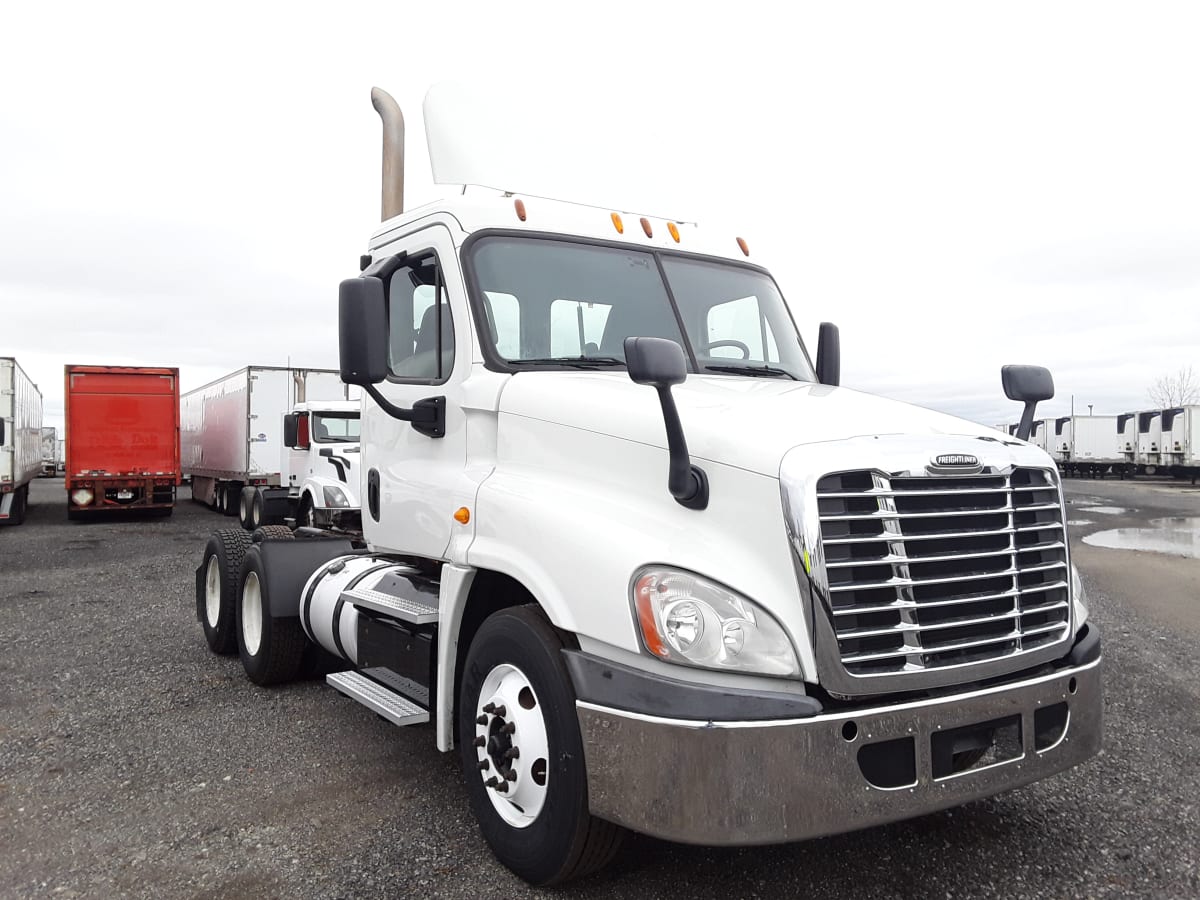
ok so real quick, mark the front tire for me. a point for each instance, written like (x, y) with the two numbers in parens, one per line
(272, 648)
(531, 805)
(217, 588)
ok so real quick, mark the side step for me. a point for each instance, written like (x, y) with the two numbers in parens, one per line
(413, 609)
(392, 706)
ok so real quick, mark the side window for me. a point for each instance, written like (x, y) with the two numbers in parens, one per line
(577, 327)
(420, 330)
(737, 324)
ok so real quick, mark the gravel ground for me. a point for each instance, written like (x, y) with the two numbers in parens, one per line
(134, 763)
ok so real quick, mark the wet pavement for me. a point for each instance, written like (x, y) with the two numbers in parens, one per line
(1174, 535)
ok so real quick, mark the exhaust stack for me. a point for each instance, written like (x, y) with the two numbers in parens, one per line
(393, 151)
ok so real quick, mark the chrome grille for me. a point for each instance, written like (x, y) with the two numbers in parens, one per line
(933, 571)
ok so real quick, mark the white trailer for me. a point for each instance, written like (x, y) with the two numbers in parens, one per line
(1043, 434)
(20, 440)
(1127, 440)
(1086, 446)
(49, 451)
(232, 430)
(1181, 441)
(1149, 441)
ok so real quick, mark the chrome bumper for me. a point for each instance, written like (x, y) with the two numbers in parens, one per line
(763, 782)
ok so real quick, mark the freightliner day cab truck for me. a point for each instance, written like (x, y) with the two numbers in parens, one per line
(20, 440)
(639, 561)
(267, 443)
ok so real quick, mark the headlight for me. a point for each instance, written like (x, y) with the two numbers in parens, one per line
(82, 497)
(334, 497)
(1078, 597)
(686, 618)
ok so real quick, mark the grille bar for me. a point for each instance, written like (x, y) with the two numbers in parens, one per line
(994, 585)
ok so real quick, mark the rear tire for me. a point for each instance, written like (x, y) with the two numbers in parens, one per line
(217, 588)
(20, 505)
(539, 826)
(272, 649)
(305, 517)
(246, 508)
(272, 533)
(232, 490)
(258, 514)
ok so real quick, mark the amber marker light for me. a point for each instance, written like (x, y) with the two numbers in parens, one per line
(519, 206)
(462, 515)
(744, 246)
(645, 614)
(671, 227)
(646, 227)
(618, 224)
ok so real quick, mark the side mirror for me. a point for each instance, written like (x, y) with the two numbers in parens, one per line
(660, 363)
(362, 331)
(1027, 384)
(829, 355)
(291, 430)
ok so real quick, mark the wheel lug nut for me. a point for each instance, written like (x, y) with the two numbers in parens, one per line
(481, 741)
(482, 720)
(490, 708)
(499, 710)
(492, 782)
(502, 787)
(484, 765)
(514, 753)
(510, 775)
(509, 728)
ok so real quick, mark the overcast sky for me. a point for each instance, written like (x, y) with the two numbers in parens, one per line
(956, 185)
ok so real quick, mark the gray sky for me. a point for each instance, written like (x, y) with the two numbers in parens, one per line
(956, 185)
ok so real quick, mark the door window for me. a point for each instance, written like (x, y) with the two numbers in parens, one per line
(420, 330)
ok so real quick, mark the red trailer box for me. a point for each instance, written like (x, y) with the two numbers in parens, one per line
(122, 439)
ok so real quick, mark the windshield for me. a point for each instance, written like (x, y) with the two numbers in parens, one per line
(555, 303)
(335, 427)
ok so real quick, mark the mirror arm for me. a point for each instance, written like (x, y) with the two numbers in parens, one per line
(687, 483)
(427, 416)
(1026, 426)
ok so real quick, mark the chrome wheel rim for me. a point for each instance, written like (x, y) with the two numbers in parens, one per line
(512, 749)
(252, 614)
(212, 591)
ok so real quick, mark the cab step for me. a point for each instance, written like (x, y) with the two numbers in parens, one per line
(414, 609)
(394, 707)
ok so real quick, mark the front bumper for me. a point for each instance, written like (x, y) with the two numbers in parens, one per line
(763, 782)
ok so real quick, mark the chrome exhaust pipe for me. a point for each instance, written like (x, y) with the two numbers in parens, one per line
(393, 151)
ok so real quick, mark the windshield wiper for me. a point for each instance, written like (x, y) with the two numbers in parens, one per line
(578, 362)
(759, 371)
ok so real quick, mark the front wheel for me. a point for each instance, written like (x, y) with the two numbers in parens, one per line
(523, 755)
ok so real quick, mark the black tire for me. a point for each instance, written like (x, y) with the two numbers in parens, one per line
(245, 510)
(226, 547)
(232, 490)
(272, 533)
(279, 653)
(20, 505)
(564, 841)
(258, 510)
(305, 518)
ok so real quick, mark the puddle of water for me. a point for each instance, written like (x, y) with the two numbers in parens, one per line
(1105, 510)
(1079, 521)
(1176, 536)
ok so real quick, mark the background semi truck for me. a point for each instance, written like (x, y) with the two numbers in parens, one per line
(20, 440)
(50, 447)
(242, 463)
(643, 564)
(122, 446)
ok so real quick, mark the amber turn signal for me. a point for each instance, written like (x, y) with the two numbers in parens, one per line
(462, 515)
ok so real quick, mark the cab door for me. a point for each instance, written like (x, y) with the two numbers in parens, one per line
(413, 481)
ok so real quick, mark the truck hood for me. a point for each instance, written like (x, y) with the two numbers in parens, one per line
(746, 422)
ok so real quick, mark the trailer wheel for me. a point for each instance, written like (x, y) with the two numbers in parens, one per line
(216, 589)
(258, 509)
(20, 505)
(522, 752)
(272, 649)
(229, 504)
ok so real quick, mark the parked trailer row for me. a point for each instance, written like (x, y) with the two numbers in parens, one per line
(20, 440)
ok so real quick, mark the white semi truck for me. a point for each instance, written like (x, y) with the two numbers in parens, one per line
(20, 440)
(50, 452)
(269, 444)
(645, 565)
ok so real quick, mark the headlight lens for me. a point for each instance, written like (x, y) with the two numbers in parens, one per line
(82, 497)
(334, 497)
(686, 618)
(1078, 597)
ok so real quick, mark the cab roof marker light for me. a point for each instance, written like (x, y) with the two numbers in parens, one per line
(618, 224)
(519, 206)
(674, 229)
(646, 227)
(741, 242)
